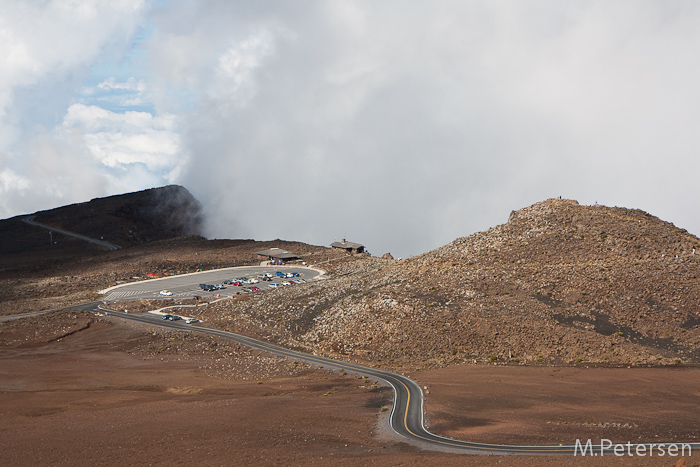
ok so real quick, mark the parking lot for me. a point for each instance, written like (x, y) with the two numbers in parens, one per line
(223, 282)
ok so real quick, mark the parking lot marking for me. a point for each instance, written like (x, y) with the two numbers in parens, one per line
(126, 293)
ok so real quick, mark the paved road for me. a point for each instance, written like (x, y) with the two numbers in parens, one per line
(27, 315)
(187, 285)
(110, 246)
(407, 415)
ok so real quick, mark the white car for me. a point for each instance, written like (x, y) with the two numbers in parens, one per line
(191, 320)
(272, 286)
(166, 293)
(252, 281)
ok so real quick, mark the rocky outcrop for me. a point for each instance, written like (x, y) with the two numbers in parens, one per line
(132, 218)
(558, 283)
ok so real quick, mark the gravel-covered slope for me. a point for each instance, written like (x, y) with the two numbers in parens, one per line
(558, 283)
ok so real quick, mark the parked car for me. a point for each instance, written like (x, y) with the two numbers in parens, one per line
(174, 318)
(272, 286)
(191, 320)
(168, 317)
(255, 289)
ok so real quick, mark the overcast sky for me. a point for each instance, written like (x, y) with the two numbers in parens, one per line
(401, 125)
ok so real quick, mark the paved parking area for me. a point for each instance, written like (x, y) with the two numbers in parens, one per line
(187, 285)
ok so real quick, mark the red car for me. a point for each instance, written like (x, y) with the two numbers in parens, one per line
(255, 288)
(238, 283)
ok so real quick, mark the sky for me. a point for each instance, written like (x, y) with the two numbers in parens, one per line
(401, 125)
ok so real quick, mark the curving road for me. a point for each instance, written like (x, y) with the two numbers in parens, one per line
(110, 246)
(407, 415)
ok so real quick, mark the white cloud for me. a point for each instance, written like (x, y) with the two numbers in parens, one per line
(50, 38)
(131, 84)
(119, 139)
(94, 152)
(235, 72)
(388, 122)
(11, 184)
(400, 126)
(46, 49)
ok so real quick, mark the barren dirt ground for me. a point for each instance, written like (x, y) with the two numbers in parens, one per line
(95, 397)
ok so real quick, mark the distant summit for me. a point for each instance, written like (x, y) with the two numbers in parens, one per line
(125, 220)
(132, 218)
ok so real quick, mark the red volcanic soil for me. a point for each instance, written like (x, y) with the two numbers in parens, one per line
(103, 391)
(553, 405)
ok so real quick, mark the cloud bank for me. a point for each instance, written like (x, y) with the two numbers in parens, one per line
(398, 125)
(46, 51)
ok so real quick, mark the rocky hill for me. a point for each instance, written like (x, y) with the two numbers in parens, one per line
(559, 283)
(132, 218)
(126, 220)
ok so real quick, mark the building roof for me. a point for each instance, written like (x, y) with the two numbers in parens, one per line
(347, 245)
(277, 253)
